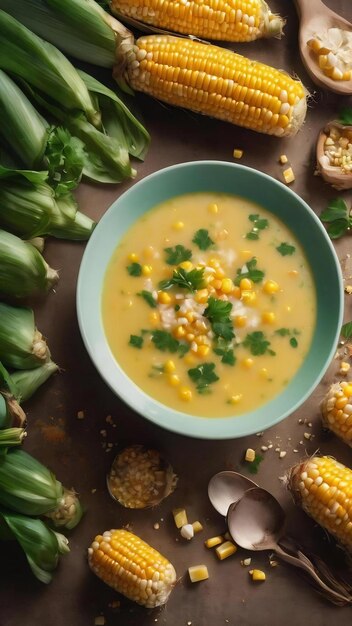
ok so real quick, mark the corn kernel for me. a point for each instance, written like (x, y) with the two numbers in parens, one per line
(219, 273)
(257, 574)
(227, 285)
(214, 263)
(225, 550)
(288, 175)
(198, 573)
(133, 257)
(190, 337)
(203, 350)
(347, 390)
(213, 541)
(189, 316)
(268, 317)
(186, 265)
(213, 208)
(202, 296)
(180, 332)
(154, 317)
(248, 297)
(174, 380)
(147, 270)
(236, 292)
(236, 398)
(283, 159)
(270, 287)
(217, 283)
(240, 321)
(169, 366)
(185, 394)
(237, 153)
(197, 527)
(180, 517)
(248, 362)
(178, 225)
(149, 252)
(164, 297)
(250, 455)
(246, 284)
(264, 372)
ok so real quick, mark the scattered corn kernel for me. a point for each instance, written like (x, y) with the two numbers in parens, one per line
(288, 175)
(185, 394)
(186, 265)
(264, 372)
(198, 573)
(203, 350)
(213, 541)
(174, 380)
(169, 366)
(257, 574)
(178, 225)
(268, 317)
(202, 296)
(344, 367)
(227, 285)
(246, 562)
(270, 287)
(180, 332)
(250, 455)
(237, 153)
(225, 550)
(240, 321)
(180, 517)
(248, 297)
(213, 208)
(248, 362)
(197, 527)
(219, 273)
(190, 316)
(133, 257)
(236, 398)
(214, 263)
(283, 159)
(246, 284)
(147, 270)
(187, 532)
(164, 297)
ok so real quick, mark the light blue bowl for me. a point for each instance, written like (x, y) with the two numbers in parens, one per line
(215, 176)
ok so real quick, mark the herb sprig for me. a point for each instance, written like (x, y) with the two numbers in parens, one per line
(257, 343)
(134, 269)
(191, 281)
(346, 330)
(203, 375)
(177, 254)
(202, 239)
(286, 249)
(252, 272)
(148, 297)
(218, 314)
(338, 217)
(259, 223)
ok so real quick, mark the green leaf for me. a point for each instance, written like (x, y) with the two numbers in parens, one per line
(254, 466)
(257, 343)
(255, 275)
(227, 354)
(336, 209)
(164, 341)
(223, 329)
(293, 342)
(136, 341)
(346, 330)
(218, 312)
(191, 281)
(177, 255)
(202, 239)
(135, 269)
(183, 348)
(285, 249)
(203, 375)
(283, 332)
(148, 297)
(337, 229)
(64, 158)
(345, 116)
(259, 223)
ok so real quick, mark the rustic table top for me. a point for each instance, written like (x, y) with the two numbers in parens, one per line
(78, 453)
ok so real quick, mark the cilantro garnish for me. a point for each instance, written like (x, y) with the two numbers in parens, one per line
(135, 269)
(148, 297)
(254, 466)
(164, 341)
(202, 239)
(185, 280)
(283, 332)
(259, 223)
(225, 350)
(338, 217)
(177, 255)
(136, 341)
(257, 343)
(346, 330)
(285, 249)
(287, 332)
(293, 342)
(203, 375)
(218, 314)
(183, 348)
(255, 275)
(345, 116)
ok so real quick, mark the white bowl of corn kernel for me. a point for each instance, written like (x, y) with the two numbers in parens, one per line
(210, 299)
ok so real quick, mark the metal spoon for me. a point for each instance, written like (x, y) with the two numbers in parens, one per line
(316, 18)
(256, 522)
(227, 487)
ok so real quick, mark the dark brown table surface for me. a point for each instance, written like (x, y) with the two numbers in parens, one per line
(77, 451)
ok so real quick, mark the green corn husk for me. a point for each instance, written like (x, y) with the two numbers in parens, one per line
(10, 437)
(22, 346)
(38, 243)
(41, 545)
(27, 56)
(23, 270)
(27, 382)
(11, 414)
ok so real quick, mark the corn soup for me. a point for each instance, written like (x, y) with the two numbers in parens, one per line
(209, 304)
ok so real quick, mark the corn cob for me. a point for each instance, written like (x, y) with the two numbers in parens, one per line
(336, 410)
(226, 20)
(132, 567)
(323, 488)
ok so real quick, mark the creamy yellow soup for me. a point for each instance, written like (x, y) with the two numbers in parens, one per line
(209, 304)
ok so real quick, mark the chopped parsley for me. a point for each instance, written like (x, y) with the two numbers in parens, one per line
(164, 341)
(285, 249)
(252, 272)
(202, 239)
(293, 342)
(178, 254)
(254, 466)
(202, 376)
(183, 348)
(135, 269)
(338, 217)
(345, 116)
(283, 332)
(148, 297)
(191, 281)
(218, 314)
(225, 350)
(287, 332)
(136, 341)
(257, 343)
(346, 330)
(259, 223)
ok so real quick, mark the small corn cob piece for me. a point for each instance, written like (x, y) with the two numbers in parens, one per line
(336, 409)
(225, 550)
(257, 574)
(198, 573)
(132, 567)
(197, 527)
(213, 541)
(323, 488)
(225, 20)
(180, 517)
(214, 81)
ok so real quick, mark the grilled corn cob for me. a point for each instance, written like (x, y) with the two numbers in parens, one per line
(323, 488)
(132, 567)
(336, 410)
(226, 20)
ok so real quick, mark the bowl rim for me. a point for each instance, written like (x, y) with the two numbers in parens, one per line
(201, 427)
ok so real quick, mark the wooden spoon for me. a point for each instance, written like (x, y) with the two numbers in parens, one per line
(316, 18)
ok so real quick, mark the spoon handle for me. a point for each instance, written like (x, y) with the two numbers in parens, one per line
(308, 8)
(336, 593)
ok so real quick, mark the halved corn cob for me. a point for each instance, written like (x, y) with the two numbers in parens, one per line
(336, 410)
(323, 488)
(226, 20)
(131, 567)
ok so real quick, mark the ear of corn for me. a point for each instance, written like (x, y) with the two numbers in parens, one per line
(10, 437)
(131, 567)
(11, 414)
(27, 382)
(226, 20)
(22, 346)
(323, 488)
(336, 409)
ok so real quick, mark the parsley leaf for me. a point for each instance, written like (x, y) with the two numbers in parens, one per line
(338, 217)
(135, 269)
(254, 466)
(293, 342)
(136, 341)
(218, 312)
(345, 116)
(177, 255)
(255, 275)
(259, 223)
(185, 280)
(226, 352)
(223, 329)
(346, 330)
(202, 239)
(202, 376)
(183, 348)
(285, 249)
(257, 343)
(286, 332)
(148, 297)
(164, 341)
(283, 332)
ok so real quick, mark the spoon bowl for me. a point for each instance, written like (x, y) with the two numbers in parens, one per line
(226, 488)
(316, 18)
